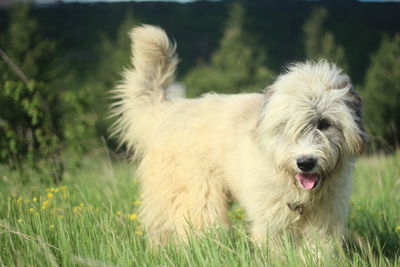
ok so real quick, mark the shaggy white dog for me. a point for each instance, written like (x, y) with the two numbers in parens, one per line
(286, 155)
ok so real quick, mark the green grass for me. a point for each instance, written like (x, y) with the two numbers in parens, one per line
(90, 220)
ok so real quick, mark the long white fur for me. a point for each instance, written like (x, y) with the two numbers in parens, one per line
(195, 155)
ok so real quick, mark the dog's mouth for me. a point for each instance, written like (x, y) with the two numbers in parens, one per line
(308, 181)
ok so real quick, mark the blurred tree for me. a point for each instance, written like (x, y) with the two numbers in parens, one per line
(237, 65)
(28, 121)
(114, 55)
(381, 94)
(320, 43)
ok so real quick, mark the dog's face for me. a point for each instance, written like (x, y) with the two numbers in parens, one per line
(311, 123)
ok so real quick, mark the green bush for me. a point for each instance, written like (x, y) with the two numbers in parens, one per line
(46, 111)
(381, 94)
(29, 101)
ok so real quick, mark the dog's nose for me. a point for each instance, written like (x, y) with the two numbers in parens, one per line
(306, 163)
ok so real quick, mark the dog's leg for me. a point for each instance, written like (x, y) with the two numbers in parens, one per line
(175, 200)
(262, 235)
(183, 210)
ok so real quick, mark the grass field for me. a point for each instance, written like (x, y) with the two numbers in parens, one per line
(90, 220)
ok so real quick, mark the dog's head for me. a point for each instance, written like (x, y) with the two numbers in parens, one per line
(311, 122)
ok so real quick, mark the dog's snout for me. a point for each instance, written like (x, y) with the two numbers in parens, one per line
(306, 163)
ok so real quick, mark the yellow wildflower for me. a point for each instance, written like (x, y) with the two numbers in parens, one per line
(45, 204)
(34, 199)
(398, 228)
(132, 216)
(56, 210)
(77, 209)
(31, 209)
(20, 200)
(50, 195)
(51, 226)
(138, 233)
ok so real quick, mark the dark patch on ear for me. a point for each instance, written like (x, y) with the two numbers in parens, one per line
(354, 103)
(343, 84)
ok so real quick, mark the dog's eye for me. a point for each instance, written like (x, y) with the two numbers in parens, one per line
(323, 124)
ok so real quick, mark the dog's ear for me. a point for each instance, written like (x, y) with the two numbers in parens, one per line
(354, 103)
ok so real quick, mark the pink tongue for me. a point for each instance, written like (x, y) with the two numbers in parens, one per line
(307, 180)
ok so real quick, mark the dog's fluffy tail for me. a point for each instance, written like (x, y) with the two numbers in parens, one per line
(154, 62)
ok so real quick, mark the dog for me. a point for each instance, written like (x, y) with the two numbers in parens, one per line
(285, 155)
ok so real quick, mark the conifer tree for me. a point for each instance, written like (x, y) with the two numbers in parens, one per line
(320, 43)
(237, 65)
(114, 56)
(115, 53)
(381, 94)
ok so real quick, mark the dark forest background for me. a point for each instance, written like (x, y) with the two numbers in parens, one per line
(66, 57)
